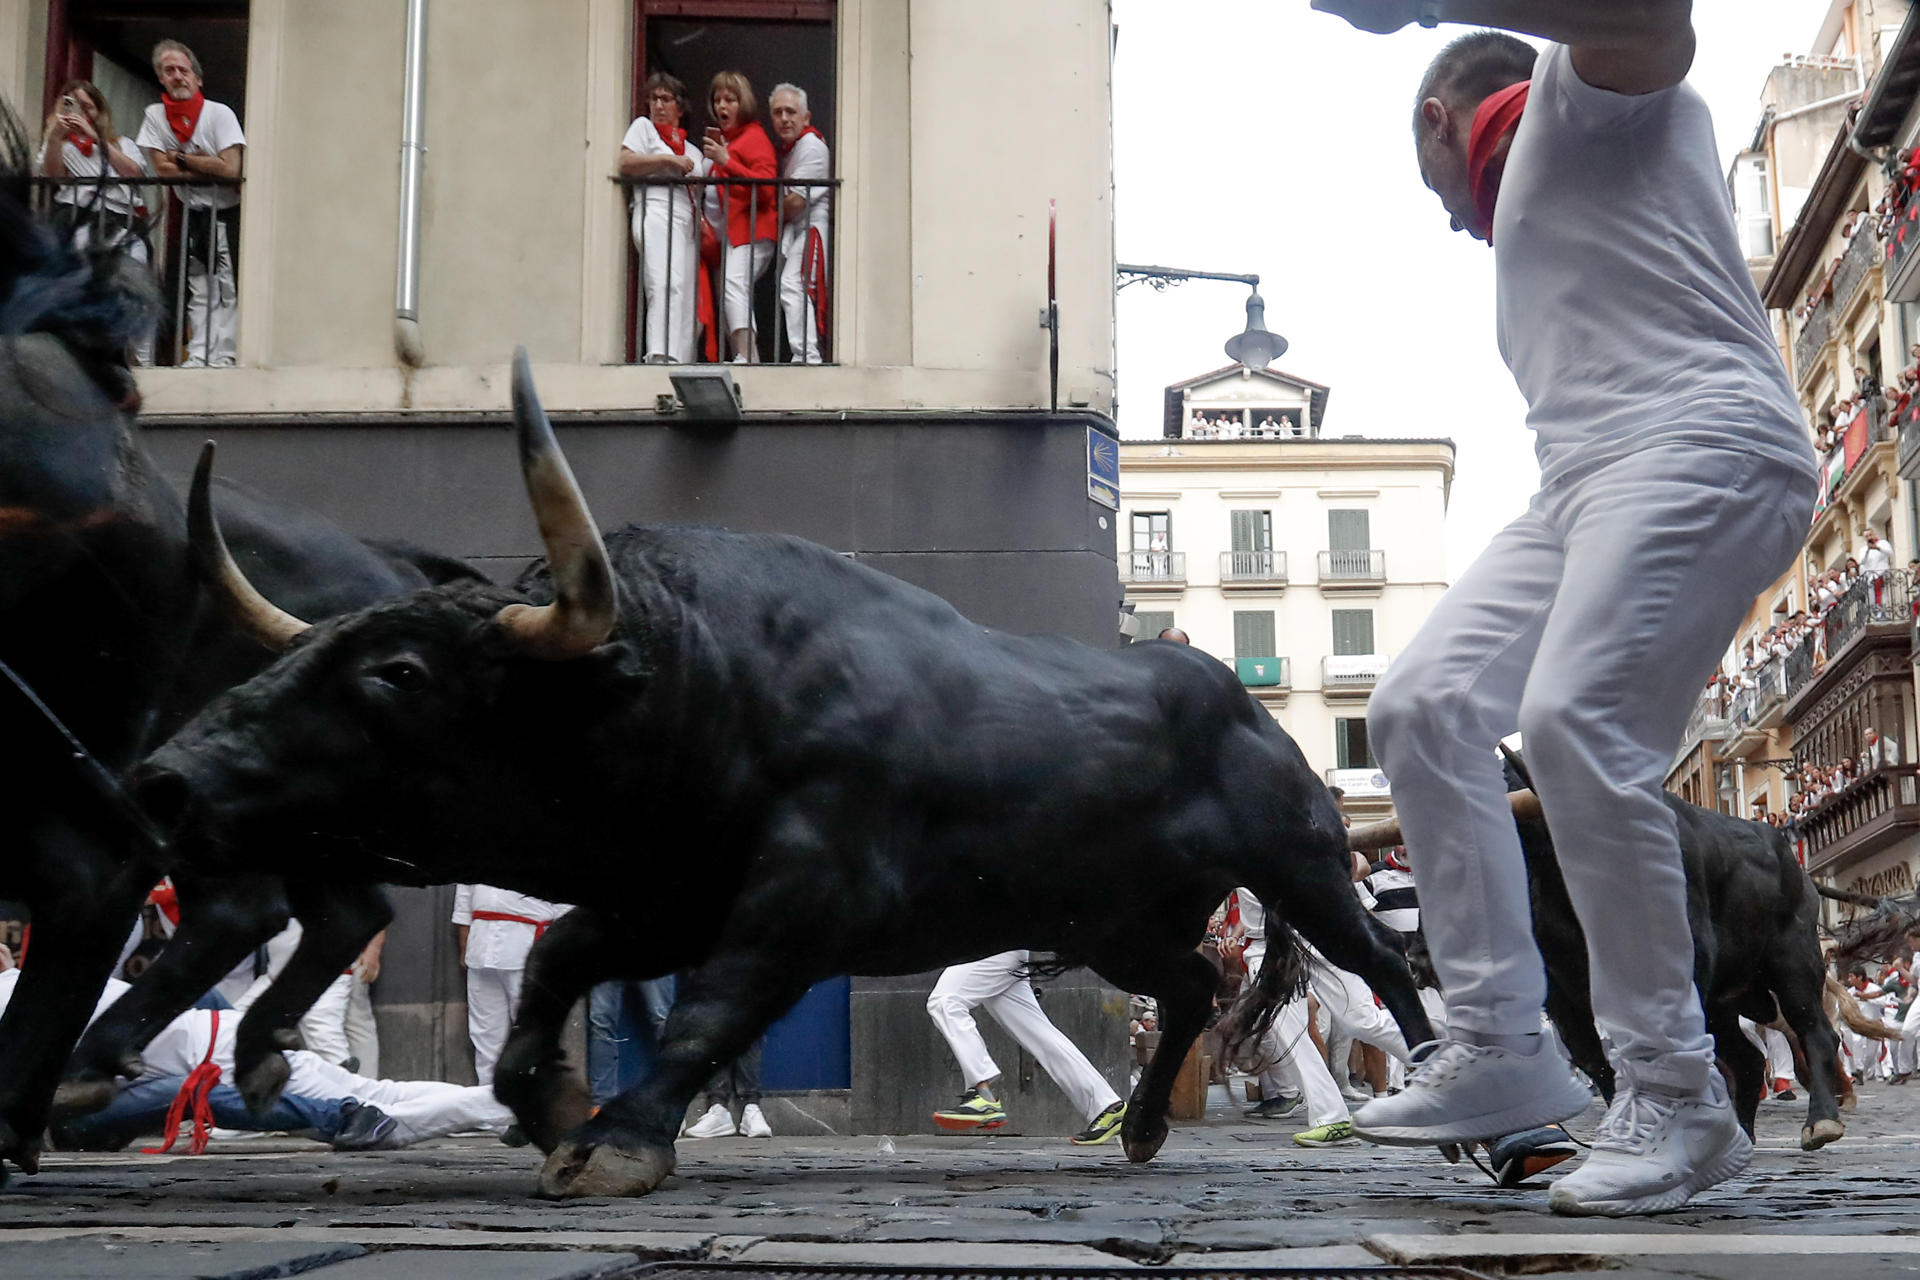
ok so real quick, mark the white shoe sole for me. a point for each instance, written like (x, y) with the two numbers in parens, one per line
(1485, 1127)
(1727, 1166)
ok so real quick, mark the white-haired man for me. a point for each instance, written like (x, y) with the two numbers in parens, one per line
(185, 135)
(806, 216)
(1676, 481)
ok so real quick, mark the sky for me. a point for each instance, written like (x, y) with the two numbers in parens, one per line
(1260, 137)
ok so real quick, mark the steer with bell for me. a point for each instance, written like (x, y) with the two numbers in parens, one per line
(856, 778)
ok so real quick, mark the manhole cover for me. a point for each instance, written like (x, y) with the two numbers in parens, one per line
(801, 1271)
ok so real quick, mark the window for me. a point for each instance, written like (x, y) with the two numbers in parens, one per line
(1352, 632)
(1253, 634)
(1350, 746)
(1152, 531)
(1252, 530)
(1153, 621)
(1348, 531)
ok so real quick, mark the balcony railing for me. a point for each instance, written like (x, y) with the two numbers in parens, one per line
(1751, 706)
(774, 288)
(1872, 813)
(1875, 600)
(197, 326)
(1150, 567)
(1359, 784)
(1359, 567)
(1709, 719)
(1812, 337)
(1863, 254)
(1264, 673)
(1352, 672)
(1253, 568)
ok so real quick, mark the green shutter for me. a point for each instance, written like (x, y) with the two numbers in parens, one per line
(1253, 634)
(1352, 632)
(1348, 531)
(1350, 745)
(1252, 531)
(1152, 623)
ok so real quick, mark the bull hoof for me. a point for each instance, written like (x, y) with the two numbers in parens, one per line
(1820, 1133)
(261, 1083)
(575, 1170)
(82, 1097)
(1141, 1148)
(563, 1106)
(1849, 1101)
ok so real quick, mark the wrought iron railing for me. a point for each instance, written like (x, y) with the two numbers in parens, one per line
(1153, 566)
(1842, 814)
(1253, 566)
(1353, 566)
(1863, 254)
(1877, 599)
(1812, 337)
(1709, 716)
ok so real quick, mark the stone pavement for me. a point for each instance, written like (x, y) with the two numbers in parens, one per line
(1225, 1193)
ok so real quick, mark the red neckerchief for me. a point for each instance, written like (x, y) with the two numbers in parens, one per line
(732, 134)
(675, 138)
(1495, 121)
(784, 147)
(81, 143)
(184, 116)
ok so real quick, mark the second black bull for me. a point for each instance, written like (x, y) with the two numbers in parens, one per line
(1756, 949)
(750, 758)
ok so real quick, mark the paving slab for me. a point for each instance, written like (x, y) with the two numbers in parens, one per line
(158, 1260)
(469, 1264)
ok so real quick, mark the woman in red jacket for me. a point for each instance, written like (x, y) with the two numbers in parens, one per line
(739, 148)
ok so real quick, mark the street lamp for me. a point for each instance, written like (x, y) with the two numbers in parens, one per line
(1256, 346)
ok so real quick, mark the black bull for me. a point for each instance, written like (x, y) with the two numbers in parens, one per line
(750, 758)
(1756, 951)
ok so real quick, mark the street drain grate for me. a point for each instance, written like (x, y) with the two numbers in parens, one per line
(799, 1271)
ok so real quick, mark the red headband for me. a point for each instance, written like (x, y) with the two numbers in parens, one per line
(1497, 117)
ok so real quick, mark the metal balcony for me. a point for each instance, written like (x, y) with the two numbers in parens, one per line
(1351, 675)
(1873, 813)
(1340, 570)
(1154, 570)
(1264, 673)
(1253, 568)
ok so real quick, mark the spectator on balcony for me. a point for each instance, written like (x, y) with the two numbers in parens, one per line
(1876, 559)
(1881, 753)
(1868, 384)
(665, 218)
(80, 141)
(748, 223)
(806, 215)
(187, 135)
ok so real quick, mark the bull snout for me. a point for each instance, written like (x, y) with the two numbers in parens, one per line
(164, 795)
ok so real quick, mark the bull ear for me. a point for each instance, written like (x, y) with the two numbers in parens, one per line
(232, 594)
(585, 603)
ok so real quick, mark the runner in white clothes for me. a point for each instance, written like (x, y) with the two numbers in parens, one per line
(666, 221)
(1002, 985)
(497, 929)
(1287, 1054)
(1676, 482)
(805, 222)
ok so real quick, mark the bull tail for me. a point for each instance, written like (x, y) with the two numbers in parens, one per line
(1855, 1019)
(1282, 977)
(1843, 895)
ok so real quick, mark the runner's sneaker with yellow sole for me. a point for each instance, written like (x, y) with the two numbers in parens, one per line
(1337, 1134)
(974, 1112)
(1102, 1127)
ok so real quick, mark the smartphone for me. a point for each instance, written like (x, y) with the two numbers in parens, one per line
(68, 106)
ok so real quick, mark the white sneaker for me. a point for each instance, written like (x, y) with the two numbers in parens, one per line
(753, 1124)
(1654, 1151)
(1459, 1092)
(1355, 1093)
(717, 1123)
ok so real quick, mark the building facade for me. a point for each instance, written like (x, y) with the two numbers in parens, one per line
(392, 248)
(1303, 560)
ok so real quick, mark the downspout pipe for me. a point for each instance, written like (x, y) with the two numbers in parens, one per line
(413, 158)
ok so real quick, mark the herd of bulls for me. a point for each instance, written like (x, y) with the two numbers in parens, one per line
(848, 775)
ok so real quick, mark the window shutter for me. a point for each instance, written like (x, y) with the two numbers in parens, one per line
(1253, 634)
(1352, 632)
(1347, 531)
(1252, 531)
(1153, 623)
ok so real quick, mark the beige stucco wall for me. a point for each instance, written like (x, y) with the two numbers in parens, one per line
(941, 258)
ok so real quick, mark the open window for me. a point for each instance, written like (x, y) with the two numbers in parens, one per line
(741, 269)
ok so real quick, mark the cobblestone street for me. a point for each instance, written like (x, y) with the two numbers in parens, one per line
(1226, 1193)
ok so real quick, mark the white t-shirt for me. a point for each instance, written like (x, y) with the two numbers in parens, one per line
(216, 130)
(808, 159)
(1626, 309)
(644, 140)
(120, 197)
(500, 944)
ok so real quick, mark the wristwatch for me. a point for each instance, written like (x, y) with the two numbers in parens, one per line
(1429, 13)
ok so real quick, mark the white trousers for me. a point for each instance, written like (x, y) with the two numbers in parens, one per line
(1352, 1012)
(363, 1035)
(669, 272)
(212, 321)
(744, 265)
(1293, 1061)
(1436, 1006)
(1774, 1045)
(323, 1028)
(1000, 983)
(1589, 624)
(422, 1108)
(803, 325)
(493, 997)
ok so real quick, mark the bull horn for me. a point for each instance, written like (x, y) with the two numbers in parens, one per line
(232, 594)
(584, 603)
(1384, 835)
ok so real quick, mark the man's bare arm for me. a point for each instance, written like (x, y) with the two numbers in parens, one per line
(1625, 46)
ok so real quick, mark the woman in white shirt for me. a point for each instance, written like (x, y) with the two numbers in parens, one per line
(665, 230)
(79, 141)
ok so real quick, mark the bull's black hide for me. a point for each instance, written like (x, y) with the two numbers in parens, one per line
(1755, 918)
(780, 766)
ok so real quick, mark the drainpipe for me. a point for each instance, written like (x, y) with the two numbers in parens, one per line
(413, 154)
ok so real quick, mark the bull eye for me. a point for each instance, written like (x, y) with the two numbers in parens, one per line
(400, 674)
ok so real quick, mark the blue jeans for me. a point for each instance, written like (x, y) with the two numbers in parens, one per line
(624, 1021)
(142, 1106)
